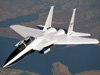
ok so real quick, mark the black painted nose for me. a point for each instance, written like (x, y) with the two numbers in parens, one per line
(14, 54)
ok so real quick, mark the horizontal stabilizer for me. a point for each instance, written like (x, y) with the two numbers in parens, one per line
(40, 27)
(80, 34)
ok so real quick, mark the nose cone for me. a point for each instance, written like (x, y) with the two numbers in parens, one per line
(14, 57)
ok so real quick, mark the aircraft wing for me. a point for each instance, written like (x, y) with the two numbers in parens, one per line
(64, 39)
(26, 31)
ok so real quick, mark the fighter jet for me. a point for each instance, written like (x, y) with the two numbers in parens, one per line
(42, 39)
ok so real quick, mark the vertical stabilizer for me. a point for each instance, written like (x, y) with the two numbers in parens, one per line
(49, 19)
(71, 25)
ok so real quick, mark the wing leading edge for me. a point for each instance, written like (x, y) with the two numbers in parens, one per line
(26, 31)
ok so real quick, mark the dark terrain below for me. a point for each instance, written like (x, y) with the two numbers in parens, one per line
(21, 12)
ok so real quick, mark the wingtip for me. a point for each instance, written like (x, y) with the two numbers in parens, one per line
(74, 9)
(52, 6)
(14, 25)
(97, 42)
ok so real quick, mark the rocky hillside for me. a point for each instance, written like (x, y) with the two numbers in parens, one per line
(87, 16)
(61, 69)
(15, 72)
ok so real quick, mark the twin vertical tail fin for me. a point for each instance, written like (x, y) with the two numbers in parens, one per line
(71, 25)
(48, 22)
(49, 19)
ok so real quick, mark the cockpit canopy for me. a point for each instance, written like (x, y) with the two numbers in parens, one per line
(20, 47)
(26, 41)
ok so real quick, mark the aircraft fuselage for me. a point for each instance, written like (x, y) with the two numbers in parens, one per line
(38, 44)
